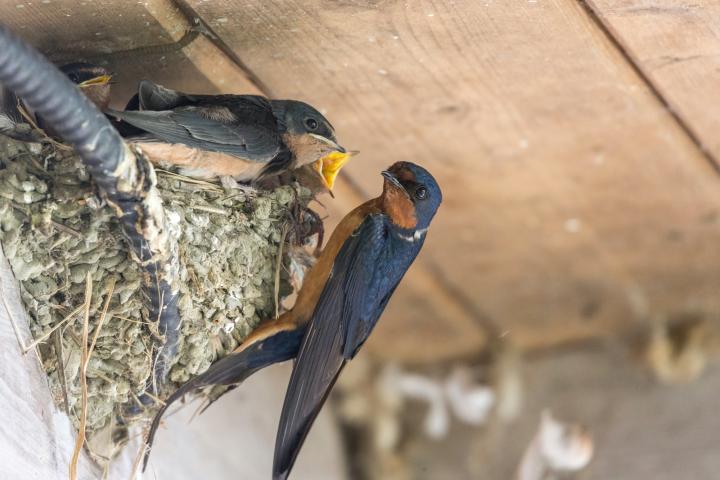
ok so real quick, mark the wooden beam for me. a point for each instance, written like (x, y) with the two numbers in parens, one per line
(676, 47)
(62, 28)
(574, 202)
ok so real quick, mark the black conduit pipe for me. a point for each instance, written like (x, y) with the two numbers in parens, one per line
(77, 120)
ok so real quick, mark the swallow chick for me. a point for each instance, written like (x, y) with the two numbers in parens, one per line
(367, 269)
(244, 137)
(280, 339)
(93, 80)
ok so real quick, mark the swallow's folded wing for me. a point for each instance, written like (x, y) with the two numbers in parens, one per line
(345, 297)
(247, 140)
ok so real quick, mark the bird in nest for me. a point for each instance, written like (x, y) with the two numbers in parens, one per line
(241, 138)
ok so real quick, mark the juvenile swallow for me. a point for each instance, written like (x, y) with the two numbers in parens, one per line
(245, 137)
(342, 297)
(93, 80)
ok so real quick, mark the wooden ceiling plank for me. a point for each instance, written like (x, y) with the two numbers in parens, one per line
(677, 47)
(61, 28)
(574, 203)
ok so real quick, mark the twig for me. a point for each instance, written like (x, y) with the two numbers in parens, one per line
(183, 178)
(101, 321)
(31, 122)
(59, 225)
(61, 369)
(203, 208)
(136, 462)
(83, 380)
(278, 264)
(44, 336)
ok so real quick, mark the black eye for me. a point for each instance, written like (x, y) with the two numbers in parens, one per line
(420, 193)
(311, 123)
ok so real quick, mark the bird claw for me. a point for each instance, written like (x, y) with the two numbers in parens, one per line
(229, 183)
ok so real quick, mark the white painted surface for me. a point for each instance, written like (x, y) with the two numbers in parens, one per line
(36, 439)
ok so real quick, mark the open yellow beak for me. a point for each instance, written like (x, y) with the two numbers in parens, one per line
(330, 165)
(100, 80)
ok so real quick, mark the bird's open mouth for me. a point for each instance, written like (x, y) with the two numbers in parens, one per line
(330, 165)
(99, 80)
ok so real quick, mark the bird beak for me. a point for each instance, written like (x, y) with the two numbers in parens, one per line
(100, 80)
(330, 165)
(335, 146)
(394, 182)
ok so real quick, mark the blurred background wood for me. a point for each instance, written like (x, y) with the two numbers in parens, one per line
(642, 430)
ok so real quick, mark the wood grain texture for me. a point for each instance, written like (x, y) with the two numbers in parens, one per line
(677, 46)
(60, 28)
(135, 41)
(574, 204)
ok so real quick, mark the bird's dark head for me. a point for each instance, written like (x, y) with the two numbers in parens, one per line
(299, 118)
(93, 80)
(411, 196)
(311, 138)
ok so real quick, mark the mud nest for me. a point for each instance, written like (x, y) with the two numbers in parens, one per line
(55, 231)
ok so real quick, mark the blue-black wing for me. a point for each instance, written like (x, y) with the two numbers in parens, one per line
(232, 370)
(365, 273)
(240, 125)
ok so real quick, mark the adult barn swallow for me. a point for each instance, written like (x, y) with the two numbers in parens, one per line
(398, 220)
(245, 137)
(367, 269)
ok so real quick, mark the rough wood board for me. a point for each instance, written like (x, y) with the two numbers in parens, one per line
(677, 46)
(65, 27)
(574, 204)
(199, 68)
(67, 32)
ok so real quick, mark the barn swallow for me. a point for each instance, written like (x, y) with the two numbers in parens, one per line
(342, 297)
(367, 269)
(245, 137)
(93, 80)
